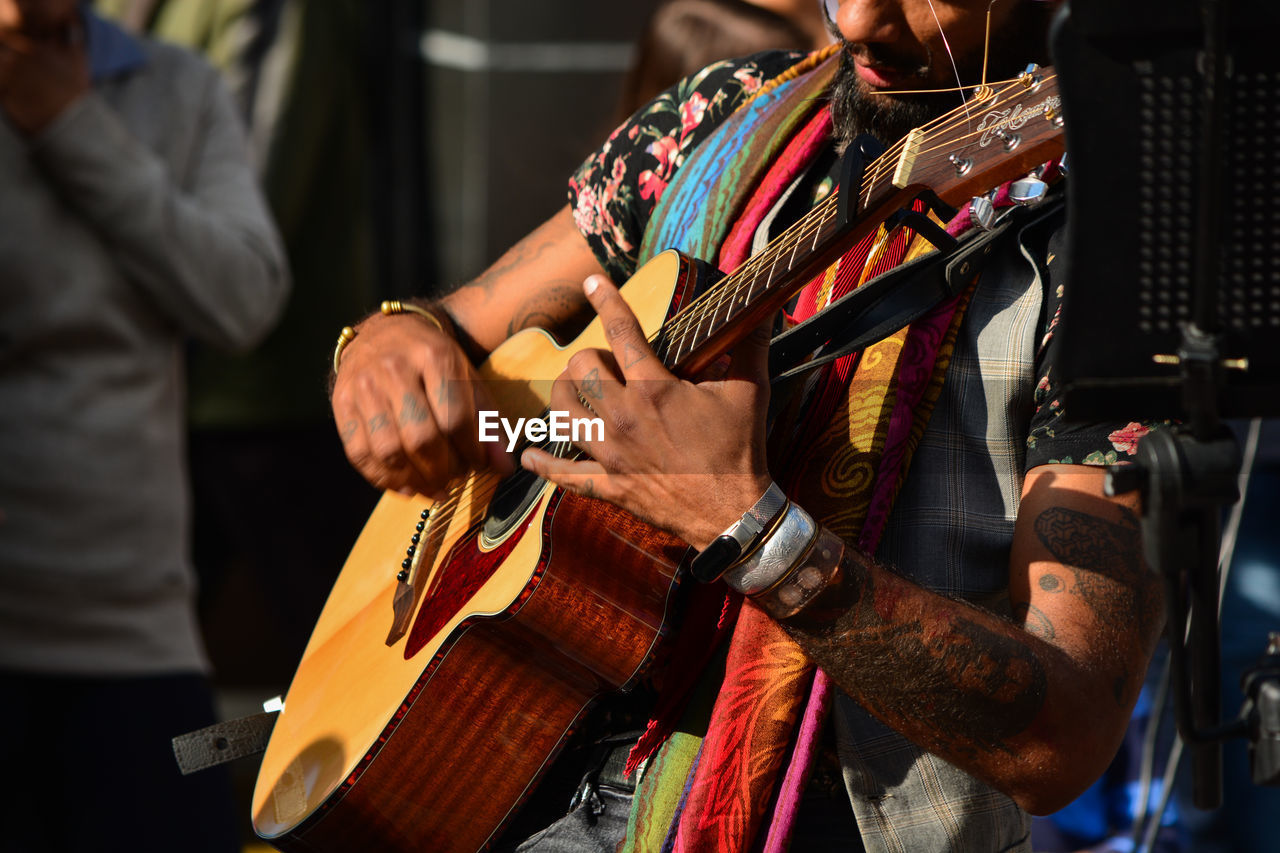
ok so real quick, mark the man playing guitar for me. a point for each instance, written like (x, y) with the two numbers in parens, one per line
(1003, 652)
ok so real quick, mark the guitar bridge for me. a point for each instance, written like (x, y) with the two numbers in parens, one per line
(405, 596)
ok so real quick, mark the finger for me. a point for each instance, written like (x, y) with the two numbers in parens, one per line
(584, 477)
(352, 429)
(594, 374)
(439, 418)
(631, 349)
(416, 447)
(453, 408)
(388, 462)
(565, 398)
(397, 465)
(459, 397)
(750, 357)
(351, 432)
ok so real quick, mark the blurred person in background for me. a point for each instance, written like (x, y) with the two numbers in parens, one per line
(261, 440)
(130, 222)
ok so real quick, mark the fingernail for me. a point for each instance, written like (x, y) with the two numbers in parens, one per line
(589, 286)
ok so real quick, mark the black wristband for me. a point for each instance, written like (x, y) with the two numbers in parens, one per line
(741, 538)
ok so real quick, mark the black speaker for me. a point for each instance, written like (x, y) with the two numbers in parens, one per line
(1174, 193)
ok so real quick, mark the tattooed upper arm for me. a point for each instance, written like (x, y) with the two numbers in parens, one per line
(1077, 576)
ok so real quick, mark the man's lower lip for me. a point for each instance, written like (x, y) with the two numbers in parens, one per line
(879, 78)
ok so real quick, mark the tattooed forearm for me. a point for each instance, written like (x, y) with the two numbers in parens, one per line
(957, 680)
(1102, 563)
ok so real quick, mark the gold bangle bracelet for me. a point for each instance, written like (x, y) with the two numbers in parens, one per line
(392, 306)
(346, 336)
(389, 307)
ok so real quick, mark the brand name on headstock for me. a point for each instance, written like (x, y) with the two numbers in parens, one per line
(1013, 118)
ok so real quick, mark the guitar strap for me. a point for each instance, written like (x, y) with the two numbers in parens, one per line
(223, 742)
(889, 302)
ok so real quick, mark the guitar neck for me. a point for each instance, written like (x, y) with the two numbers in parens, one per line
(696, 336)
(995, 137)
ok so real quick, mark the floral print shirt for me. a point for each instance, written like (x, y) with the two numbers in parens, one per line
(1052, 438)
(615, 190)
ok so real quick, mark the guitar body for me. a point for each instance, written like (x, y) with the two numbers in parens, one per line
(430, 738)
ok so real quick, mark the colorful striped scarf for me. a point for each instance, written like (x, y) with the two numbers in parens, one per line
(728, 755)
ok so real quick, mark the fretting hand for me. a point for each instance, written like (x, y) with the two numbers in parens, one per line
(687, 457)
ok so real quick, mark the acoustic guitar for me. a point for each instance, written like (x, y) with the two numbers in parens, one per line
(465, 639)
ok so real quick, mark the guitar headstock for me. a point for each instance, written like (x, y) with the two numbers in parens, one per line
(1005, 131)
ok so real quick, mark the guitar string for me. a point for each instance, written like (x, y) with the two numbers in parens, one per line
(957, 117)
(946, 43)
(477, 484)
(1017, 86)
(747, 274)
(808, 226)
(977, 133)
(694, 314)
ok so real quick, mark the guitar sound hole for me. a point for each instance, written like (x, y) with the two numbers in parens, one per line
(512, 500)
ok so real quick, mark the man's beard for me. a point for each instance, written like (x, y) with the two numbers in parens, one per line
(855, 110)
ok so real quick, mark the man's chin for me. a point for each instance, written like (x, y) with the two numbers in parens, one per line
(858, 107)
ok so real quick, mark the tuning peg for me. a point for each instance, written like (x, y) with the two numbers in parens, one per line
(982, 213)
(1028, 191)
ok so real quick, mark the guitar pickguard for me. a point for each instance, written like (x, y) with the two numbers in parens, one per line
(466, 569)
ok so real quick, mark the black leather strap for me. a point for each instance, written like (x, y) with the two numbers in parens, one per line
(880, 307)
(223, 742)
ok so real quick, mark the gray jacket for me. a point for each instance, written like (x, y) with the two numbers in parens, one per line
(130, 225)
